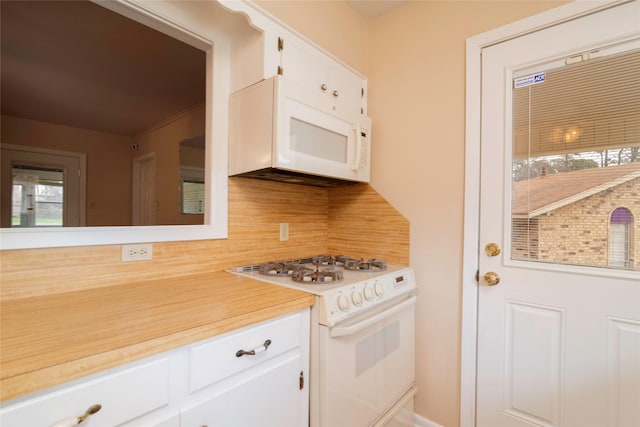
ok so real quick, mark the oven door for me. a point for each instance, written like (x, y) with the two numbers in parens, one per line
(367, 368)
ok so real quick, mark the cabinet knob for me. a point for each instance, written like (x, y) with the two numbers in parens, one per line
(323, 87)
(336, 93)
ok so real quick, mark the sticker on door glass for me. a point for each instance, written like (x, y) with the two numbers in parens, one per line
(525, 81)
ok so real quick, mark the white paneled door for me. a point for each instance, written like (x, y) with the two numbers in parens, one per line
(559, 263)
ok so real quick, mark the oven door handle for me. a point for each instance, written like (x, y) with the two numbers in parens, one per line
(340, 331)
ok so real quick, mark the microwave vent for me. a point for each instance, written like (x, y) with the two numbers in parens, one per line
(279, 175)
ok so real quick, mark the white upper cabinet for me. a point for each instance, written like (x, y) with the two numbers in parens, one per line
(267, 47)
(341, 91)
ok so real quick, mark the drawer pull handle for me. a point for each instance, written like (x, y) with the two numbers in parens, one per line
(70, 422)
(92, 410)
(255, 351)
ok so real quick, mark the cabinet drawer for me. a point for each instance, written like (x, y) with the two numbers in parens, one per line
(124, 395)
(216, 359)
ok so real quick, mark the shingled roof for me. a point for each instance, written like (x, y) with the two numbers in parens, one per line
(544, 194)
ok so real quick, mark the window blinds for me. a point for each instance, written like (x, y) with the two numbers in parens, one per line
(576, 161)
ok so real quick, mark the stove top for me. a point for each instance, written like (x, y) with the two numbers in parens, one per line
(317, 274)
(343, 286)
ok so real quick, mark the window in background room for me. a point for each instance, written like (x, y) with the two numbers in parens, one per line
(37, 198)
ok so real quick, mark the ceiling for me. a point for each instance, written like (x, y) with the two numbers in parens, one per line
(370, 9)
(79, 64)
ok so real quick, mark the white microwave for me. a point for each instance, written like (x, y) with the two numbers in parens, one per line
(280, 130)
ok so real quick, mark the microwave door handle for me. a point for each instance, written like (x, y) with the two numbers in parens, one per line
(338, 331)
(356, 163)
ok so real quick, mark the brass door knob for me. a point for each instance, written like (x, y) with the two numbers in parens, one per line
(491, 278)
(492, 249)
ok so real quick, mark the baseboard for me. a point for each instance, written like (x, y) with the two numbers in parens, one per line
(419, 421)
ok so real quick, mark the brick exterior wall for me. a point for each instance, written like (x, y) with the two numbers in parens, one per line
(579, 232)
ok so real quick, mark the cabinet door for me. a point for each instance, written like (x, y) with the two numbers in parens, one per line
(347, 89)
(342, 89)
(267, 395)
(304, 64)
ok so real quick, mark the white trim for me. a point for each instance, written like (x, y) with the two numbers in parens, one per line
(469, 305)
(472, 182)
(137, 11)
(419, 421)
(193, 27)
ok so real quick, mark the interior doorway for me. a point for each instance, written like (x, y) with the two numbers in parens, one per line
(144, 196)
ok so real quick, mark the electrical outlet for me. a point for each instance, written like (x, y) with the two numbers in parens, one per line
(284, 231)
(137, 252)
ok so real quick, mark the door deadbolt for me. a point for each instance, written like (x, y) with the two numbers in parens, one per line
(492, 249)
(491, 278)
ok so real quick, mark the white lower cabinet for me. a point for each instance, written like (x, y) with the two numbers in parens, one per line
(266, 396)
(124, 394)
(208, 383)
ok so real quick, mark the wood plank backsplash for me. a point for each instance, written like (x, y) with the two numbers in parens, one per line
(352, 220)
(363, 225)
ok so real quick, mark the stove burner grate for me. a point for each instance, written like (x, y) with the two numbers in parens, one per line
(317, 276)
(280, 268)
(308, 270)
(325, 260)
(369, 265)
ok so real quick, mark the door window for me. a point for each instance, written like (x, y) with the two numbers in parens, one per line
(576, 158)
(37, 197)
(42, 188)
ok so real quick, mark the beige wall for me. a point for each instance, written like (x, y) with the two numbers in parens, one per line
(416, 68)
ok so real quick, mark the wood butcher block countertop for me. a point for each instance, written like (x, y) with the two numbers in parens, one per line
(52, 339)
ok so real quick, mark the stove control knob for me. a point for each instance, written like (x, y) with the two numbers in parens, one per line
(356, 298)
(343, 303)
(368, 293)
(379, 288)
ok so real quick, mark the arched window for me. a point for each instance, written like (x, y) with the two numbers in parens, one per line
(620, 237)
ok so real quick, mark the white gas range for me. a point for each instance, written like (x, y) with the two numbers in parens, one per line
(362, 337)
